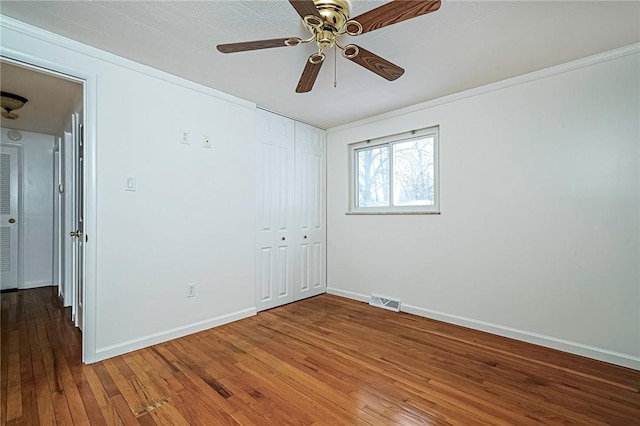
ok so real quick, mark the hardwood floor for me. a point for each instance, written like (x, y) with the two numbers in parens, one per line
(325, 360)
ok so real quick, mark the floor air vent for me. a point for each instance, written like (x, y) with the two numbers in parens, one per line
(385, 303)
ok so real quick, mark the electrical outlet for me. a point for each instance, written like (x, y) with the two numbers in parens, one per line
(185, 137)
(206, 142)
(191, 290)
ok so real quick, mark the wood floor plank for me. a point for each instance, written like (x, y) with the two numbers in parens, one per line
(13, 408)
(60, 404)
(127, 389)
(71, 392)
(167, 414)
(29, 400)
(44, 402)
(4, 355)
(146, 420)
(255, 366)
(154, 364)
(109, 413)
(196, 387)
(298, 360)
(253, 393)
(123, 410)
(238, 392)
(321, 361)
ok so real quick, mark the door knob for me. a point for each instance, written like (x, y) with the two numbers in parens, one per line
(74, 234)
(12, 220)
(305, 237)
(283, 238)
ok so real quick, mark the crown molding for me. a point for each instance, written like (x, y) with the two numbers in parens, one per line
(93, 52)
(499, 85)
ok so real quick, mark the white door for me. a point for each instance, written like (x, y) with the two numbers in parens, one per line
(78, 237)
(310, 228)
(9, 217)
(68, 224)
(59, 192)
(55, 278)
(275, 174)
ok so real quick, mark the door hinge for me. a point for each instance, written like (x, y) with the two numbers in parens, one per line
(81, 134)
(86, 238)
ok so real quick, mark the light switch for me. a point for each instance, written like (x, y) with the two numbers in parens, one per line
(131, 183)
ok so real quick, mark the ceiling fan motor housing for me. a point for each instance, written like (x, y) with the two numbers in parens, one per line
(335, 13)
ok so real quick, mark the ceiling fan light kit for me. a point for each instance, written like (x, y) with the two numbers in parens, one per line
(326, 20)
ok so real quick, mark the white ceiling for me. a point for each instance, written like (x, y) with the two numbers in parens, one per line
(463, 45)
(50, 98)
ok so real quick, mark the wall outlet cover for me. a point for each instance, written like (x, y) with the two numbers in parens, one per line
(206, 141)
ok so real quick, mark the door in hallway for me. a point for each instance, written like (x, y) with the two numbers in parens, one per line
(9, 197)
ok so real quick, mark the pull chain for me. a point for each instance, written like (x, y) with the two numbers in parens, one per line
(335, 67)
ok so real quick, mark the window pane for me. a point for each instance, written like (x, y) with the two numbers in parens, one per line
(413, 176)
(373, 177)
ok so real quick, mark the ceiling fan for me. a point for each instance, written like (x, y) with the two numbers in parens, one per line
(327, 20)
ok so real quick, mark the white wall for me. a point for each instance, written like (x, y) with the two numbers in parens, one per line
(191, 219)
(540, 227)
(37, 208)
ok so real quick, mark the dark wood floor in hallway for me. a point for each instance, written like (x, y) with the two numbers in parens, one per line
(324, 361)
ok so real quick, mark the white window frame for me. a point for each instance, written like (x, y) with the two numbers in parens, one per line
(389, 141)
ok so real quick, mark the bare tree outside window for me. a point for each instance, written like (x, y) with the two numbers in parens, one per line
(373, 177)
(413, 172)
(396, 174)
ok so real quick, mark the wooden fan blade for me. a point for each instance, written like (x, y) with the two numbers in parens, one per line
(254, 45)
(375, 63)
(308, 77)
(394, 12)
(305, 7)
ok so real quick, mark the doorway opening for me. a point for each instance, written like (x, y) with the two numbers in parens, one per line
(43, 186)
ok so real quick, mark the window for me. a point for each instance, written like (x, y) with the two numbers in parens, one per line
(396, 174)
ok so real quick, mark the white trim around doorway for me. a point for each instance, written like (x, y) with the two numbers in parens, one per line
(89, 82)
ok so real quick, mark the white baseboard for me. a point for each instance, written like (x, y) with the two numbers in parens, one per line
(348, 294)
(588, 351)
(36, 284)
(154, 339)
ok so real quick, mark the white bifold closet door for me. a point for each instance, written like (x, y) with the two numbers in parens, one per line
(310, 234)
(275, 175)
(291, 231)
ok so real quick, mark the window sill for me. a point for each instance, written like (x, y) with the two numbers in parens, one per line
(391, 213)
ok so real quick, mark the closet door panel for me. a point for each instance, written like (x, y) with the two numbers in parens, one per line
(310, 228)
(275, 210)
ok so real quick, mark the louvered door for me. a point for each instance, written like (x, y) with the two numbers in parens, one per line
(9, 217)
